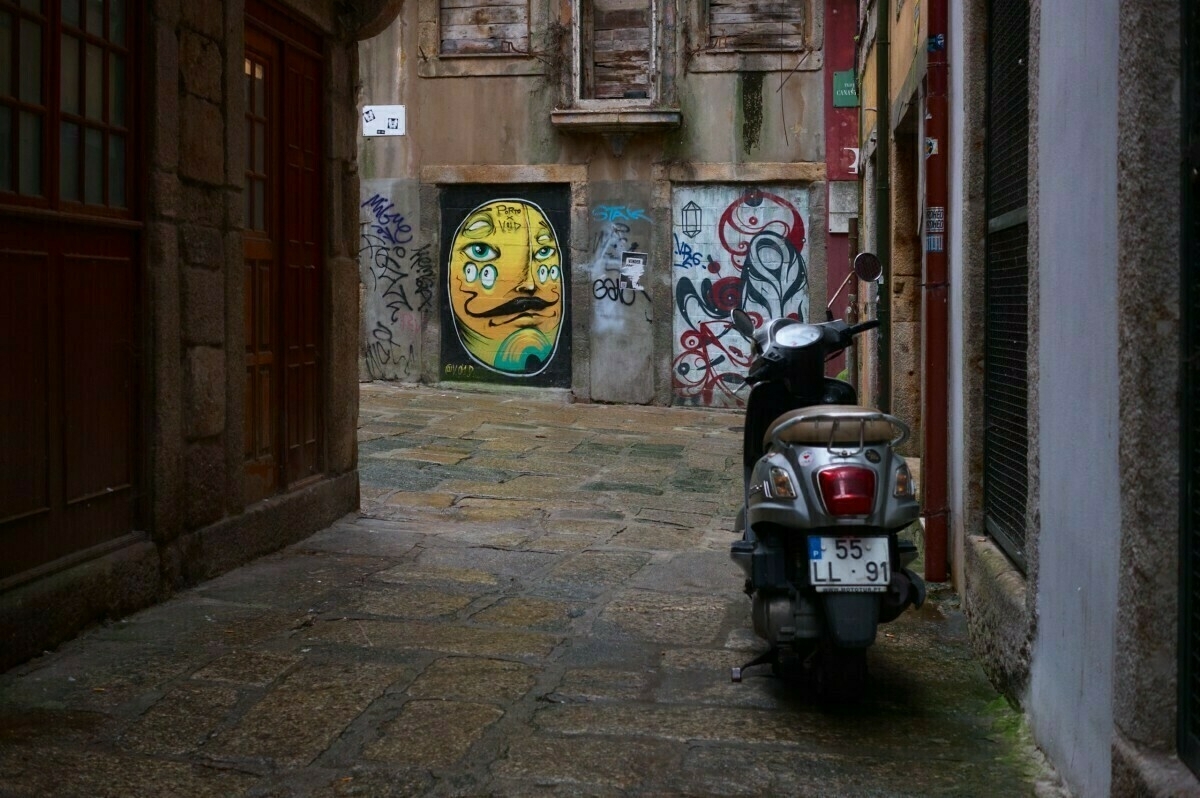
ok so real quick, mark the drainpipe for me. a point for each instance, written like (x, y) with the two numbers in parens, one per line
(883, 199)
(935, 310)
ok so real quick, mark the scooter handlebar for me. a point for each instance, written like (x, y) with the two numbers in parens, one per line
(758, 372)
(863, 327)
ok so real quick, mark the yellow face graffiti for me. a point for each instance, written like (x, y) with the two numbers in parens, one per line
(505, 286)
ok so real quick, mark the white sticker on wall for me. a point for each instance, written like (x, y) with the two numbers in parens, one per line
(383, 120)
(633, 266)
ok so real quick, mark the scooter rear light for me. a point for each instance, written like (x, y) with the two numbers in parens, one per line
(847, 490)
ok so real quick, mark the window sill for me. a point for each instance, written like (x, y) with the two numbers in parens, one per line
(616, 119)
(480, 65)
(756, 61)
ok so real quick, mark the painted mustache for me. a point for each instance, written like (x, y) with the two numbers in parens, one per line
(522, 304)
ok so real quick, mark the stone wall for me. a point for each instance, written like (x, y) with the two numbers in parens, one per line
(195, 519)
(1146, 674)
(197, 162)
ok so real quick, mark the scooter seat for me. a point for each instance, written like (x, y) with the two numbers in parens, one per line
(823, 425)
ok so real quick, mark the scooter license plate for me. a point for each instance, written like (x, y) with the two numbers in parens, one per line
(849, 564)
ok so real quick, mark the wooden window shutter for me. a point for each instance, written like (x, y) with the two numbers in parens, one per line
(756, 24)
(617, 49)
(484, 27)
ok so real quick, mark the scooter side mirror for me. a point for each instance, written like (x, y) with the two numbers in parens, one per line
(867, 266)
(743, 323)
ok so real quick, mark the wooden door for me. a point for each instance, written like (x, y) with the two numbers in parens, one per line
(261, 267)
(70, 234)
(301, 311)
(282, 248)
(1006, 282)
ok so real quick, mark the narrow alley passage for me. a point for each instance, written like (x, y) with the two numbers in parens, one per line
(536, 600)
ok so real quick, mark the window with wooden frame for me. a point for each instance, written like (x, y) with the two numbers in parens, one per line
(615, 49)
(66, 144)
(756, 25)
(759, 35)
(478, 38)
(617, 83)
(255, 68)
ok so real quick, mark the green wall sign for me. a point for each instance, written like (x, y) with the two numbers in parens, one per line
(845, 93)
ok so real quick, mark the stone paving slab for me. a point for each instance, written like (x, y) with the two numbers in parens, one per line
(535, 600)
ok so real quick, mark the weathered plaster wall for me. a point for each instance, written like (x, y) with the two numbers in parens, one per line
(384, 79)
(740, 117)
(867, 349)
(621, 219)
(904, 287)
(903, 273)
(398, 278)
(756, 128)
(907, 45)
(1071, 688)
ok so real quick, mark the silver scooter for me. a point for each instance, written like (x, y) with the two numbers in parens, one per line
(825, 497)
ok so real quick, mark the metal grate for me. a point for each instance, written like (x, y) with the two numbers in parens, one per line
(1189, 598)
(1190, 588)
(1006, 434)
(1008, 107)
(1006, 288)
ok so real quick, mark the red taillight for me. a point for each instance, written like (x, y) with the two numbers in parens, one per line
(847, 490)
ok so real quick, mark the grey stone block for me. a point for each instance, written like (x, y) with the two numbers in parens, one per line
(204, 400)
(204, 483)
(204, 307)
(202, 141)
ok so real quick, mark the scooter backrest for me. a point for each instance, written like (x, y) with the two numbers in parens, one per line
(823, 425)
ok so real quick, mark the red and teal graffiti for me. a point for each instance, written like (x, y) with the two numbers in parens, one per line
(734, 248)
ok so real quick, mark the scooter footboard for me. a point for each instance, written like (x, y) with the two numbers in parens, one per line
(852, 618)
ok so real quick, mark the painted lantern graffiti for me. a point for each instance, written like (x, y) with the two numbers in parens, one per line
(734, 247)
(505, 278)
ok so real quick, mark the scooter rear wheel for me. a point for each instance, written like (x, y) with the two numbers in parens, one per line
(788, 665)
(839, 675)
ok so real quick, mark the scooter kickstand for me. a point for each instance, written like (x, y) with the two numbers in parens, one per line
(762, 659)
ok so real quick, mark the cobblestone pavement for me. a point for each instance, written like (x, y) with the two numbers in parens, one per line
(536, 600)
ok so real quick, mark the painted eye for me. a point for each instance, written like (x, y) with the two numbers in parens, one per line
(470, 271)
(553, 272)
(543, 273)
(481, 252)
(544, 253)
(487, 276)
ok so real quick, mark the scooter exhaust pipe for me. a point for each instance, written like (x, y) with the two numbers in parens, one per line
(905, 589)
